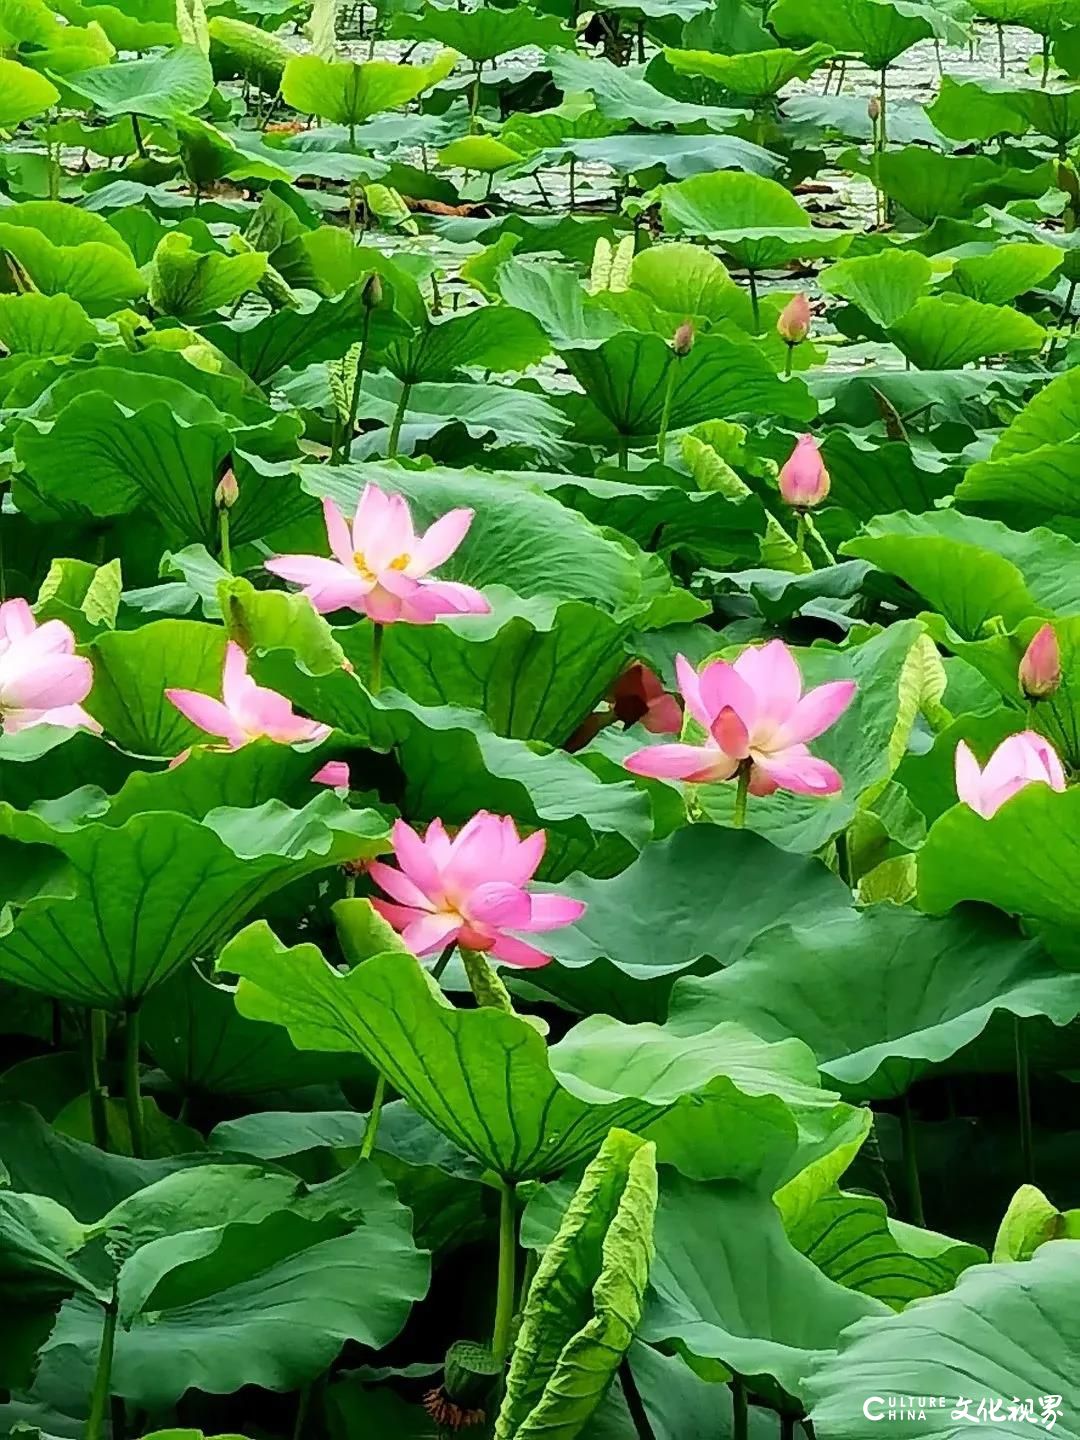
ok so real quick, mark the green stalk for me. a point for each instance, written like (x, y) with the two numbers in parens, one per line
(787, 1427)
(754, 308)
(1023, 1095)
(354, 398)
(94, 1039)
(1046, 61)
(99, 1396)
(883, 129)
(474, 102)
(488, 990)
(911, 1164)
(742, 790)
(375, 678)
(801, 531)
(788, 358)
(132, 1092)
(443, 960)
(811, 528)
(504, 1296)
(740, 1411)
(223, 527)
(661, 438)
(1001, 50)
(624, 452)
(372, 1130)
(634, 1403)
(137, 135)
(399, 416)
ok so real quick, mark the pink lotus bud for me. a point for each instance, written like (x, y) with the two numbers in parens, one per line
(804, 481)
(372, 292)
(873, 108)
(1040, 669)
(793, 322)
(227, 492)
(682, 342)
(335, 773)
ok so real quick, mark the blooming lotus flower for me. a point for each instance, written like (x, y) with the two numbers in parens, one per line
(335, 773)
(470, 889)
(1040, 669)
(1021, 760)
(42, 680)
(246, 711)
(752, 711)
(804, 481)
(793, 322)
(639, 695)
(380, 568)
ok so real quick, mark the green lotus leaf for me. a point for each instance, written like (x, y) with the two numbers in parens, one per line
(625, 380)
(130, 24)
(942, 332)
(482, 34)
(875, 30)
(931, 186)
(963, 860)
(348, 93)
(479, 152)
(973, 570)
(161, 888)
(42, 325)
(977, 109)
(753, 219)
(185, 283)
(872, 479)
(70, 252)
(755, 73)
(728, 1285)
(212, 1249)
(30, 29)
(1006, 271)
(918, 992)
(673, 907)
(1030, 1221)
(1052, 416)
(1004, 1332)
(586, 1298)
(25, 92)
(163, 87)
(622, 92)
(261, 345)
(852, 1240)
(884, 286)
(535, 668)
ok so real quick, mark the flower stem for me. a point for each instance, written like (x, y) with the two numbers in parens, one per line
(1023, 1095)
(742, 790)
(99, 1396)
(830, 558)
(354, 399)
(399, 416)
(788, 358)
(375, 678)
(504, 1297)
(223, 529)
(911, 1164)
(132, 1093)
(488, 989)
(368, 1144)
(754, 308)
(800, 531)
(740, 1412)
(94, 1038)
(443, 960)
(661, 437)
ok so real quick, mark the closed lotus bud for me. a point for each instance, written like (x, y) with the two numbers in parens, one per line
(227, 492)
(804, 481)
(873, 108)
(793, 322)
(682, 342)
(1040, 669)
(372, 291)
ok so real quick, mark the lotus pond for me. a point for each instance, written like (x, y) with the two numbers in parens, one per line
(540, 696)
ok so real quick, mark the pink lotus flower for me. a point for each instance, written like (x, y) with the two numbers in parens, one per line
(793, 322)
(1040, 669)
(753, 710)
(804, 481)
(42, 680)
(246, 711)
(380, 568)
(335, 773)
(639, 696)
(470, 889)
(1021, 760)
